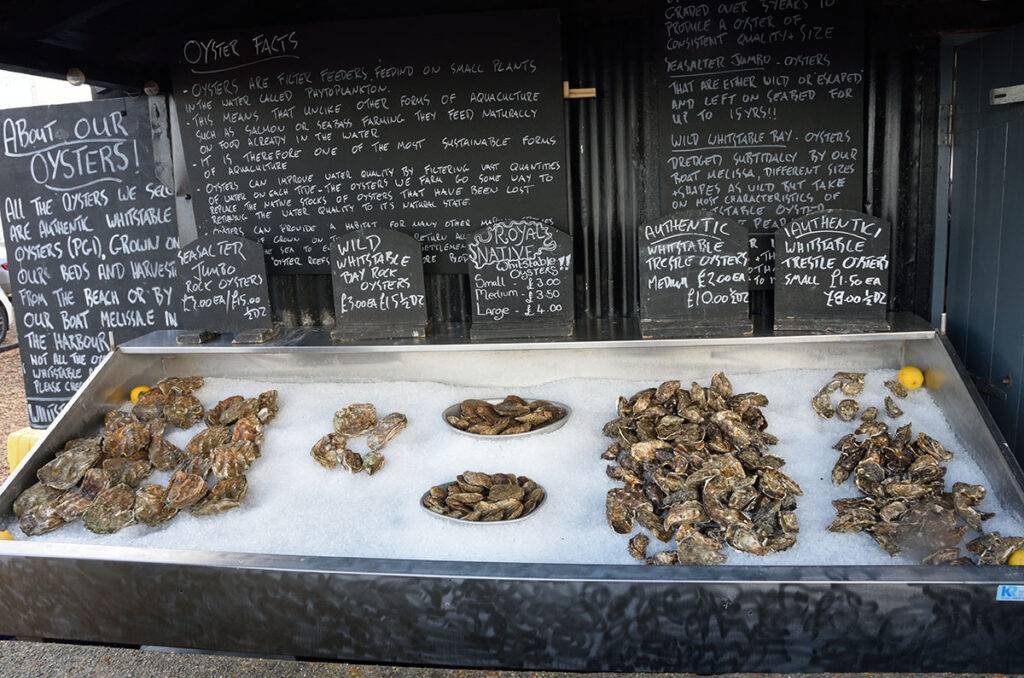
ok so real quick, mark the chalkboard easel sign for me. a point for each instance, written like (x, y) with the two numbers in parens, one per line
(222, 285)
(521, 278)
(378, 286)
(693, 276)
(91, 236)
(832, 273)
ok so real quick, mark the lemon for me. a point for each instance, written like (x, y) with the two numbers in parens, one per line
(911, 377)
(1016, 558)
(137, 391)
(6, 536)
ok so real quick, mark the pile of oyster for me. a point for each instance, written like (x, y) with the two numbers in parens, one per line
(696, 474)
(355, 421)
(512, 415)
(100, 479)
(851, 384)
(485, 497)
(904, 505)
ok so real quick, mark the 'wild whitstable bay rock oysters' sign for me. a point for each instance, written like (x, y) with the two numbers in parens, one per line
(378, 285)
(832, 273)
(521, 275)
(693, 276)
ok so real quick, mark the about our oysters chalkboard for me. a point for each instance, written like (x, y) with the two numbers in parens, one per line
(520, 273)
(434, 126)
(91, 239)
(222, 284)
(832, 273)
(378, 285)
(693, 276)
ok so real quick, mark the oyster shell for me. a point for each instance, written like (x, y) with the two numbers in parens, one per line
(111, 510)
(179, 385)
(207, 440)
(225, 495)
(892, 409)
(225, 412)
(355, 420)
(232, 460)
(124, 471)
(248, 428)
(150, 406)
(183, 411)
(40, 519)
(847, 409)
(185, 489)
(68, 467)
(151, 505)
(35, 496)
(386, 429)
(126, 440)
(329, 450)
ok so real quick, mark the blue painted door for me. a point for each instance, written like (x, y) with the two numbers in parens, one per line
(985, 270)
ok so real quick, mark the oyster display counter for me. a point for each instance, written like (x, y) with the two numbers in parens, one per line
(319, 562)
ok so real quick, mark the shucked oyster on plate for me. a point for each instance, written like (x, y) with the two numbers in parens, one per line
(697, 474)
(511, 416)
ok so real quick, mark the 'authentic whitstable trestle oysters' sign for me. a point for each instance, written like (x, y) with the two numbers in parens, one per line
(521, 278)
(832, 273)
(693, 276)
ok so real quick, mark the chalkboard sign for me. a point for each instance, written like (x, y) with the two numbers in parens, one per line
(91, 239)
(762, 261)
(693, 276)
(832, 273)
(378, 285)
(222, 284)
(521, 276)
(761, 109)
(434, 126)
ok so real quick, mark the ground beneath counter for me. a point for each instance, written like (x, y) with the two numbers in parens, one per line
(295, 506)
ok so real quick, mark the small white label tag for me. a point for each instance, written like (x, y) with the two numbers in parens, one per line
(1010, 592)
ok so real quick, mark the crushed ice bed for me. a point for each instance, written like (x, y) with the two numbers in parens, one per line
(295, 506)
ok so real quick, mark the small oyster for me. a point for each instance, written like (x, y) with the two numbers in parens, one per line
(898, 389)
(231, 459)
(352, 461)
(207, 440)
(373, 462)
(847, 409)
(111, 510)
(638, 546)
(151, 505)
(127, 440)
(822, 405)
(183, 411)
(33, 497)
(329, 450)
(226, 494)
(150, 406)
(40, 519)
(891, 408)
(248, 428)
(185, 489)
(123, 471)
(268, 406)
(179, 385)
(385, 430)
(355, 420)
(64, 471)
(225, 412)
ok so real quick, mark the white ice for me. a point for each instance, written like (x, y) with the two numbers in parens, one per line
(295, 506)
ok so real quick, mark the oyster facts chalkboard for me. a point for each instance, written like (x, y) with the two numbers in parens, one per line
(434, 126)
(91, 239)
(378, 286)
(761, 110)
(520, 273)
(832, 273)
(693, 276)
(222, 285)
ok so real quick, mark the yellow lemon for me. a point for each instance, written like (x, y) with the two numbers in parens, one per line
(1016, 558)
(137, 391)
(911, 377)
(6, 536)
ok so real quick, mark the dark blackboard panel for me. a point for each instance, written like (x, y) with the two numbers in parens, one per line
(435, 126)
(762, 260)
(521, 278)
(378, 285)
(693, 276)
(832, 273)
(91, 239)
(761, 109)
(222, 285)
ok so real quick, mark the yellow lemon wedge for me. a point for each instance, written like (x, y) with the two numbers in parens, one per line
(911, 377)
(1016, 558)
(6, 536)
(137, 391)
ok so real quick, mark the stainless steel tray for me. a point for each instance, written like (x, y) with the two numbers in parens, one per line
(537, 616)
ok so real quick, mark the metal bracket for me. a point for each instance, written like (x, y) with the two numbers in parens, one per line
(578, 92)
(1000, 96)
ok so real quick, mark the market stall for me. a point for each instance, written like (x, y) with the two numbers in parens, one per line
(464, 362)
